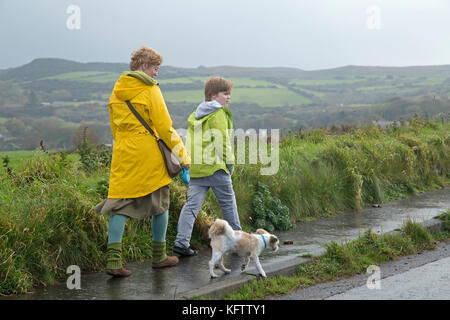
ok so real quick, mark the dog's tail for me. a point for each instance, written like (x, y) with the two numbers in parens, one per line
(221, 227)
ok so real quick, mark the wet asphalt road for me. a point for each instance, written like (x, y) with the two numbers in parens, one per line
(424, 276)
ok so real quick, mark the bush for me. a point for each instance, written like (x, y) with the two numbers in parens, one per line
(269, 213)
(102, 187)
(94, 158)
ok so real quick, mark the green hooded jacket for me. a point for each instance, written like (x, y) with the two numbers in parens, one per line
(209, 142)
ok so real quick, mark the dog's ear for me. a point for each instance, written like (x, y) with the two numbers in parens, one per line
(273, 239)
(261, 231)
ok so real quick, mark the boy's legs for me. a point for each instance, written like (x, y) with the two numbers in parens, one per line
(227, 201)
(188, 215)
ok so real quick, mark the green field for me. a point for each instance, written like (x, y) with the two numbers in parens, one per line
(179, 80)
(248, 90)
(190, 96)
(18, 159)
(89, 76)
(269, 97)
(323, 82)
(78, 103)
(431, 80)
(324, 87)
(265, 97)
(3, 120)
(244, 81)
(378, 88)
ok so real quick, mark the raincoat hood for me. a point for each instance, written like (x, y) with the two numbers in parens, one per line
(207, 110)
(207, 107)
(132, 83)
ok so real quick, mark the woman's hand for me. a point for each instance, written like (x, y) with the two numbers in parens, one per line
(185, 176)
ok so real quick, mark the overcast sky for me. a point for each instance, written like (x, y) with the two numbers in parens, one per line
(306, 34)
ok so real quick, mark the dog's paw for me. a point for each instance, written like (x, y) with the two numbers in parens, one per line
(263, 275)
(243, 266)
(213, 275)
(226, 270)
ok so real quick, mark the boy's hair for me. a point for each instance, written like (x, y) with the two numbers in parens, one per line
(214, 85)
(144, 55)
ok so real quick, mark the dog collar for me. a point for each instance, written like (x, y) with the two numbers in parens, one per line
(265, 244)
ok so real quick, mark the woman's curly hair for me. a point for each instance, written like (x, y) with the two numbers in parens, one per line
(145, 55)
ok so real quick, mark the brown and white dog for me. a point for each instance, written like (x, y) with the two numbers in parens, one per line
(224, 239)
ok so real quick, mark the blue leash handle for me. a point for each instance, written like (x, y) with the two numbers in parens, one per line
(185, 176)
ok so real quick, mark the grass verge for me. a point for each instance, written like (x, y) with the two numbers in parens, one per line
(324, 173)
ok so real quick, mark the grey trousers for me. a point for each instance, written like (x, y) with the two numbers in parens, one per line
(197, 193)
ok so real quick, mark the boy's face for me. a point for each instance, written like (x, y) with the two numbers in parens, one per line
(222, 97)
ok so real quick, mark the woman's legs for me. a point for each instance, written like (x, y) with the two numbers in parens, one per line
(159, 228)
(114, 250)
(116, 227)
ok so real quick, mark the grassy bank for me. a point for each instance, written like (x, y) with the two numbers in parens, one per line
(323, 173)
(46, 221)
(345, 260)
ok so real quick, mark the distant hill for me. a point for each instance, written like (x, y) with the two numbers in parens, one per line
(47, 67)
(423, 71)
(49, 99)
(51, 79)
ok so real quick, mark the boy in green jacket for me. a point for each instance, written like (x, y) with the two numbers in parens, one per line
(209, 142)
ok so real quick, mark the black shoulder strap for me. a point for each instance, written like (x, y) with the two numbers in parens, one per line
(141, 120)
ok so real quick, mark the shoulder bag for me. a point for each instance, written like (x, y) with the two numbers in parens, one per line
(173, 166)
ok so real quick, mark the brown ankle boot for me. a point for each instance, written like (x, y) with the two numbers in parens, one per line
(114, 260)
(169, 262)
(119, 273)
(159, 255)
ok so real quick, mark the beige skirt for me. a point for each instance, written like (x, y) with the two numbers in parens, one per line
(152, 204)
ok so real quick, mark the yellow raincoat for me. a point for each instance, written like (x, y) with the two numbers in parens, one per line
(137, 167)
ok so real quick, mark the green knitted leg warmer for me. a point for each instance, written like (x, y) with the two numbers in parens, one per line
(159, 251)
(114, 256)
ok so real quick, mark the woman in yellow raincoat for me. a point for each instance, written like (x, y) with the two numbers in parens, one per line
(139, 182)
